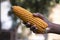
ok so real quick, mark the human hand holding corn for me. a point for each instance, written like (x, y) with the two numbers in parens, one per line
(33, 27)
(27, 16)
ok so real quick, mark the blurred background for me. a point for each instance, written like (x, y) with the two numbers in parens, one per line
(12, 27)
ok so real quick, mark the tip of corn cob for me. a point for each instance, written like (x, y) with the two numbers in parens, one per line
(28, 17)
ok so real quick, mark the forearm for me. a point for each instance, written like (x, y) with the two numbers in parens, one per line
(54, 28)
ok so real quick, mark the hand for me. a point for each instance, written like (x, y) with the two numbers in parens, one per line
(33, 28)
(53, 28)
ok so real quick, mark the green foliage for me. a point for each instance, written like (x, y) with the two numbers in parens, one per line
(36, 5)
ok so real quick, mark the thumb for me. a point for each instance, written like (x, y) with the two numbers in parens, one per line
(41, 17)
(38, 15)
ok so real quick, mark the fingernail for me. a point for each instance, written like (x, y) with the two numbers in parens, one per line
(34, 25)
(35, 14)
(28, 23)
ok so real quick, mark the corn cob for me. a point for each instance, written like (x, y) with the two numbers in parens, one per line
(27, 16)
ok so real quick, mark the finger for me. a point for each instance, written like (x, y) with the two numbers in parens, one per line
(41, 17)
(28, 25)
(32, 27)
(38, 15)
(35, 30)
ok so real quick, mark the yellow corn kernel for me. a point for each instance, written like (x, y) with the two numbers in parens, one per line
(27, 16)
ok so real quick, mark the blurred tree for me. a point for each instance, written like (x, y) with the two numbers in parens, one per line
(35, 5)
(13, 2)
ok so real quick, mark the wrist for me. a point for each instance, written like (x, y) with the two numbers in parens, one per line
(49, 28)
(53, 28)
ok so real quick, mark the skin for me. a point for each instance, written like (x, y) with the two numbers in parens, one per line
(53, 28)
